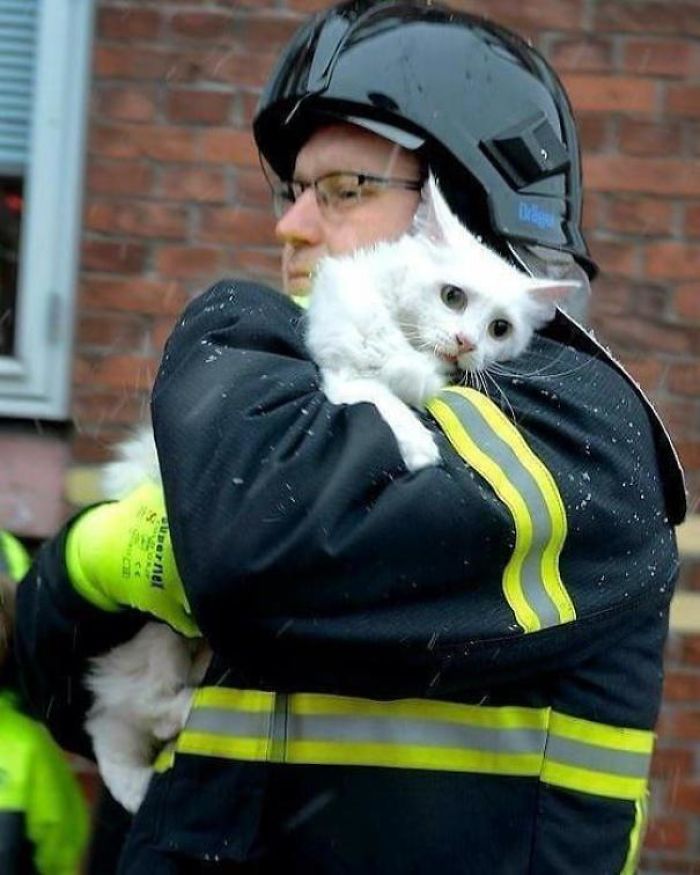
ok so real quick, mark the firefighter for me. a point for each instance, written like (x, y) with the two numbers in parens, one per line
(43, 815)
(454, 670)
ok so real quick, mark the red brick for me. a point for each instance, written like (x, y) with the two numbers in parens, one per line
(99, 447)
(220, 65)
(127, 24)
(160, 332)
(691, 225)
(137, 295)
(112, 256)
(118, 332)
(118, 177)
(660, 17)
(684, 379)
(264, 32)
(585, 54)
(672, 260)
(645, 57)
(129, 103)
(640, 335)
(671, 762)
(666, 833)
(593, 131)
(237, 227)
(201, 25)
(648, 373)
(144, 141)
(643, 175)
(687, 301)
(226, 146)
(683, 100)
(594, 211)
(610, 93)
(262, 264)
(194, 106)
(641, 216)
(252, 190)
(129, 372)
(682, 686)
(129, 62)
(137, 219)
(201, 185)
(648, 138)
(610, 297)
(689, 452)
(682, 418)
(108, 408)
(685, 796)
(189, 261)
(615, 257)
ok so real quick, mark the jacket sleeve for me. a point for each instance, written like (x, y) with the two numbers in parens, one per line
(310, 555)
(57, 814)
(56, 632)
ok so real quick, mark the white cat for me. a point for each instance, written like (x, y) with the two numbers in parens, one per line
(395, 323)
(390, 325)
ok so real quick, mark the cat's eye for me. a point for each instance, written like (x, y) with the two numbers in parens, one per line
(500, 328)
(453, 297)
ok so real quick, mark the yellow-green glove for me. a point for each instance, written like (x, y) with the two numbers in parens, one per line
(119, 555)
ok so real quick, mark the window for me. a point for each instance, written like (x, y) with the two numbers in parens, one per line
(44, 73)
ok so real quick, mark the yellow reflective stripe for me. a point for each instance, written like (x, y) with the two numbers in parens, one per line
(312, 728)
(636, 835)
(226, 747)
(592, 757)
(494, 447)
(548, 487)
(255, 701)
(592, 782)
(601, 734)
(505, 717)
(389, 755)
(470, 452)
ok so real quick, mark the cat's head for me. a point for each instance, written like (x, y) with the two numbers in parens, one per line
(462, 300)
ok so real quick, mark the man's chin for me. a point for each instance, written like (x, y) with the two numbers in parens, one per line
(298, 285)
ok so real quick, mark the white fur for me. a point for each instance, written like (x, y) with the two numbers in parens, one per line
(380, 332)
(142, 689)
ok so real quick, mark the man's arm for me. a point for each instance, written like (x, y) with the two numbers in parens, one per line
(309, 554)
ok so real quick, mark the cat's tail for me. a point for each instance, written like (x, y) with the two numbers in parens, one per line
(136, 461)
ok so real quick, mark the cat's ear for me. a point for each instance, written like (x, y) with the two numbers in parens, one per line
(433, 218)
(550, 293)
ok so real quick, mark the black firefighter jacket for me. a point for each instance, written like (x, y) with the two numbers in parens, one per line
(456, 671)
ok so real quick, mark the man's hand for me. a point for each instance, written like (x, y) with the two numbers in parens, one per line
(119, 555)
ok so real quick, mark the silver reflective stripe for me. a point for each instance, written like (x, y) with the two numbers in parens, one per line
(403, 731)
(502, 454)
(225, 721)
(624, 763)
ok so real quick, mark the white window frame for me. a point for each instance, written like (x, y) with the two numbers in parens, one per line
(35, 379)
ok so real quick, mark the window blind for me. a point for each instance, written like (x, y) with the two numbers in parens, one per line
(18, 35)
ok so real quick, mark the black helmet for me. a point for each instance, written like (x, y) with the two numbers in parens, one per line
(472, 95)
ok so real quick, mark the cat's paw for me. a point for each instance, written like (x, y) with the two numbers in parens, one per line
(171, 720)
(127, 784)
(419, 449)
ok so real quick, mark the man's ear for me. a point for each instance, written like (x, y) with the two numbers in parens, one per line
(433, 218)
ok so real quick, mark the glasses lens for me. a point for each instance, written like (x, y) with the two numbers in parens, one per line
(339, 191)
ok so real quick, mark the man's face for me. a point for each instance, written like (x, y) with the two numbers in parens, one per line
(308, 233)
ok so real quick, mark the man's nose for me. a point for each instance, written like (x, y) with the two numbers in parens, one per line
(301, 222)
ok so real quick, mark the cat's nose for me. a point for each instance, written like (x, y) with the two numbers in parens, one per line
(464, 343)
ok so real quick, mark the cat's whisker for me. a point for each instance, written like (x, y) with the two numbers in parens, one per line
(503, 395)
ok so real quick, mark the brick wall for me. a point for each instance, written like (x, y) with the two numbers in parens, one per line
(174, 200)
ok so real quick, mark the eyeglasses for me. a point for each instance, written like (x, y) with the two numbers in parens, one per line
(335, 192)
